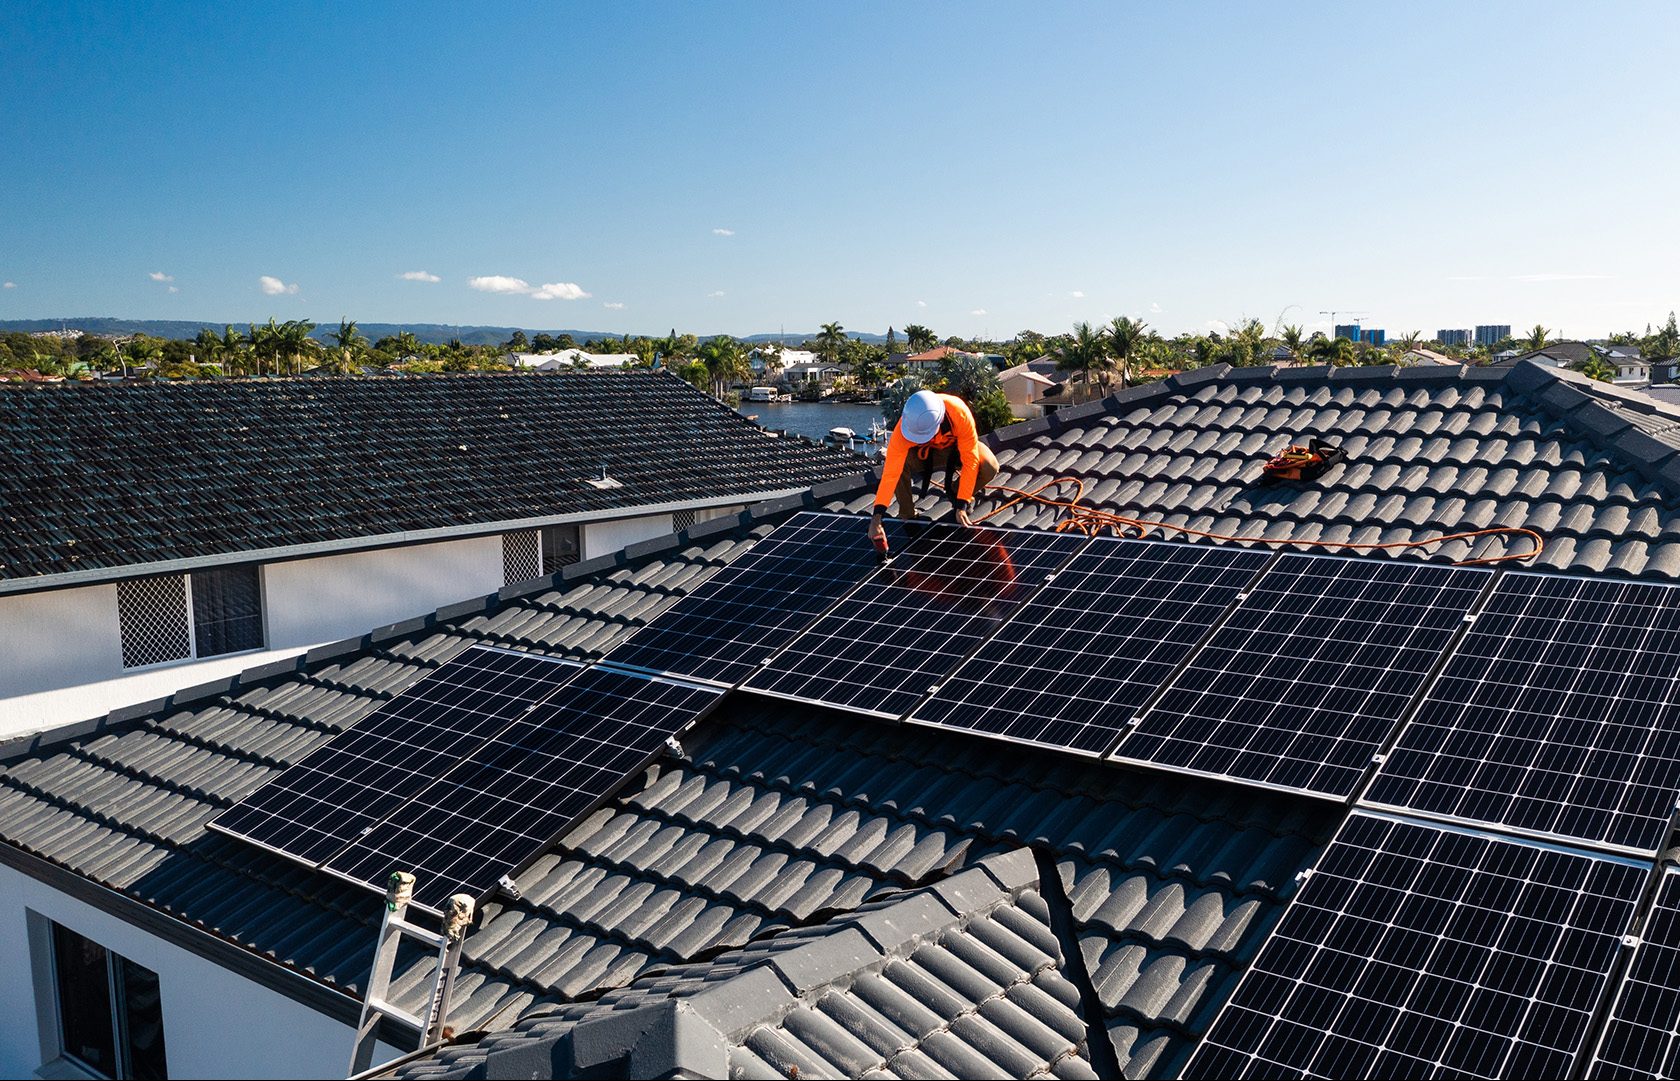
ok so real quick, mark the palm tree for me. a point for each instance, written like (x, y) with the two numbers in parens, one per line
(295, 342)
(1336, 351)
(231, 349)
(829, 340)
(1599, 369)
(351, 345)
(919, 339)
(1536, 338)
(265, 343)
(1124, 336)
(1292, 340)
(725, 361)
(1410, 341)
(1087, 349)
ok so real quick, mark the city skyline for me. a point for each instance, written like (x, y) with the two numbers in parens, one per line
(977, 169)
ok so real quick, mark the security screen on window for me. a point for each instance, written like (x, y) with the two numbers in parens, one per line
(227, 610)
(110, 1010)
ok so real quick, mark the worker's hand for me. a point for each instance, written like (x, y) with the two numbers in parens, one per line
(963, 518)
(877, 531)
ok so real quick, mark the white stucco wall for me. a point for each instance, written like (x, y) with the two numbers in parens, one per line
(215, 1023)
(335, 597)
(604, 538)
(58, 638)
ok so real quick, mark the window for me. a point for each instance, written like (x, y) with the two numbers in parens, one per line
(171, 617)
(560, 547)
(521, 557)
(110, 1010)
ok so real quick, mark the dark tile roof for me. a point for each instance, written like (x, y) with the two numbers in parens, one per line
(108, 476)
(779, 821)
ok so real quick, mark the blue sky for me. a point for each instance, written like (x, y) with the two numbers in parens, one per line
(977, 168)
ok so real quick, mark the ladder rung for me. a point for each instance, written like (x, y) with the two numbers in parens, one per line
(395, 1012)
(414, 930)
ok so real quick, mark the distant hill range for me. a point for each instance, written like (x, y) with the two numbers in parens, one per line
(438, 333)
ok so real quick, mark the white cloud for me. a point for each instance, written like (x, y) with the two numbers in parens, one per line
(715, 293)
(615, 305)
(978, 311)
(160, 276)
(1558, 277)
(921, 303)
(560, 291)
(419, 276)
(275, 287)
(173, 289)
(1155, 307)
(1077, 294)
(497, 283)
(9, 285)
(723, 232)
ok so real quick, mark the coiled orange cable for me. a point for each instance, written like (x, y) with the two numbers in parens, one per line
(1091, 521)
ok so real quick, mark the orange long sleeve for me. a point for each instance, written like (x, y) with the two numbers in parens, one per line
(898, 448)
(964, 435)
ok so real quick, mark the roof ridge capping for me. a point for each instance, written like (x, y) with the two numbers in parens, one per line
(690, 1033)
(1601, 415)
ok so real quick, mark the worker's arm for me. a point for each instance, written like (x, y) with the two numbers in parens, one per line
(898, 449)
(968, 446)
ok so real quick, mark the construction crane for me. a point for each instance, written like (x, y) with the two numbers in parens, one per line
(1334, 312)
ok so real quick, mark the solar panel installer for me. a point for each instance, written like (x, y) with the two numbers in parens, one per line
(935, 432)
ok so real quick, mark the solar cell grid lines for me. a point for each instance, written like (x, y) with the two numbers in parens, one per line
(1311, 673)
(498, 807)
(1415, 951)
(1643, 1035)
(1558, 715)
(913, 620)
(727, 626)
(324, 801)
(1078, 660)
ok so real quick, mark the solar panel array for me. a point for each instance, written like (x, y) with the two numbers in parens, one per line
(1558, 715)
(345, 787)
(915, 619)
(1078, 660)
(1311, 674)
(496, 808)
(1643, 1034)
(732, 622)
(1416, 951)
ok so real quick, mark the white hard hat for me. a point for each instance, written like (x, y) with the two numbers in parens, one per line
(923, 414)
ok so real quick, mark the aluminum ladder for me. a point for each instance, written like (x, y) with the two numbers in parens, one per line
(376, 1007)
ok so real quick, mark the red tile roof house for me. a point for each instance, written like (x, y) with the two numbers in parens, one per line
(156, 535)
(799, 893)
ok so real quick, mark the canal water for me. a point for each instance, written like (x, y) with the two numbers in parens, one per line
(814, 419)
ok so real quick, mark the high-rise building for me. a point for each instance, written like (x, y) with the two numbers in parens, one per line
(1350, 331)
(1489, 333)
(1459, 338)
(1375, 336)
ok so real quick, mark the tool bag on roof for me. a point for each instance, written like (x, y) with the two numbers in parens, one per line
(1304, 463)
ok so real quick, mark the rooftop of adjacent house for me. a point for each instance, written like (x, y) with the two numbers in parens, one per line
(101, 478)
(883, 872)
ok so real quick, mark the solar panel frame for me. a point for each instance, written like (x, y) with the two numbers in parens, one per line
(1641, 1037)
(497, 809)
(1267, 700)
(694, 640)
(1124, 613)
(953, 584)
(1417, 949)
(372, 768)
(1587, 751)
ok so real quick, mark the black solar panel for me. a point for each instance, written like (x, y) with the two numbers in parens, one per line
(1643, 1035)
(1310, 675)
(1077, 661)
(722, 630)
(332, 795)
(915, 619)
(1558, 714)
(493, 811)
(1415, 951)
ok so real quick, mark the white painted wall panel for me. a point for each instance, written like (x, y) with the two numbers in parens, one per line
(58, 638)
(215, 1023)
(342, 596)
(604, 538)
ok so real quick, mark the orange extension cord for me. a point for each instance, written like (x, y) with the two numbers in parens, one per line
(1091, 521)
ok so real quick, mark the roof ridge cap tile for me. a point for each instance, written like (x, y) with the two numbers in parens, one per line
(1603, 424)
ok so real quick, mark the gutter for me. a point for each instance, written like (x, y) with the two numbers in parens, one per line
(100, 575)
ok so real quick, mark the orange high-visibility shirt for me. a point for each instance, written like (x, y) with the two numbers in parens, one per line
(958, 429)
